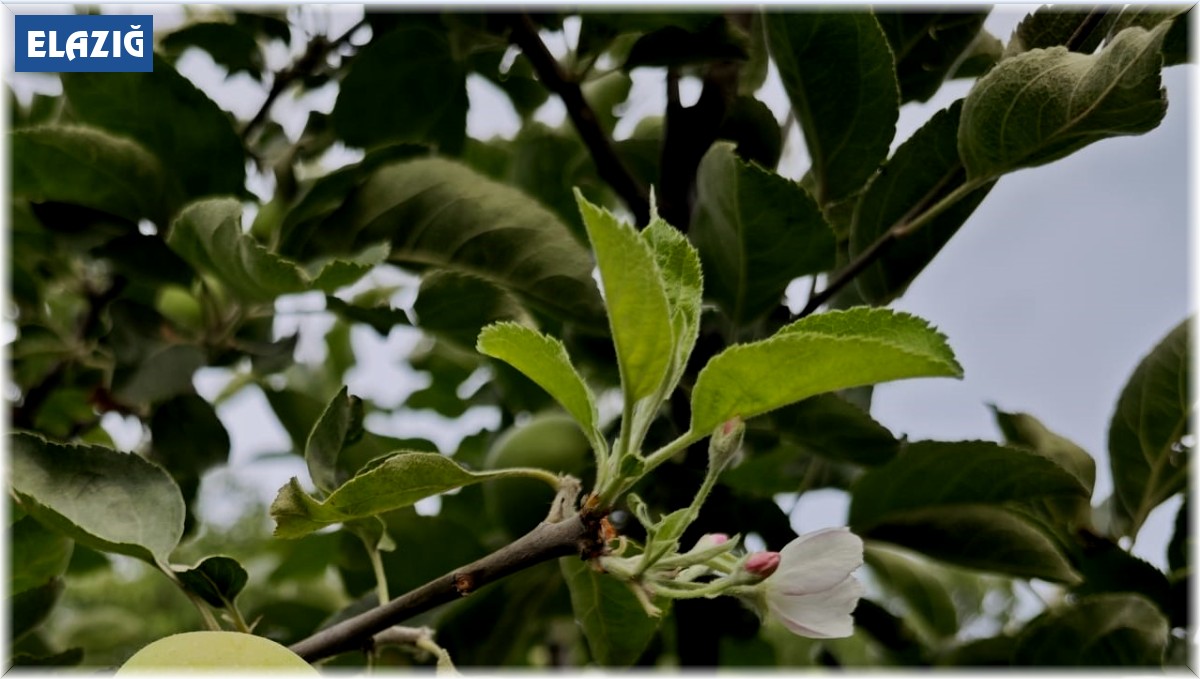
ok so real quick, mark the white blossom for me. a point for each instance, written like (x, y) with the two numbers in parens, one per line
(813, 591)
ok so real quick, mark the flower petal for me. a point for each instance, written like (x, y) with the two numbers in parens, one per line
(824, 615)
(817, 561)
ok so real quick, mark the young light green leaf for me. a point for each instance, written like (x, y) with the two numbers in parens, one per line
(110, 501)
(457, 306)
(171, 117)
(925, 169)
(614, 623)
(916, 582)
(817, 354)
(544, 360)
(839, 75)
(90, 167)
(1149, 460)
(393, 483)
(217, 579)
(36, 554)
(1042, 105)
(634, 294)
(683, 281)
(756, 231)
(338, 427)
(1106, 630)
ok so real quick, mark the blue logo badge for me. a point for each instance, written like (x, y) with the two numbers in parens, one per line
(108, 43)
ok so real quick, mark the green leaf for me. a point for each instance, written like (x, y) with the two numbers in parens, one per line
(1108, 568)
(338, 427)
(927, 45)
(437, 213)
(1054, 25)
(756, 231)
(925, 596)
(1026, 431)
(1145, 437)
(382, 317)
(639, 312)
(817, 354)
(165, 371)
(615, 624)
(839, 75)
(171, 117)
(949, 474)
(208, 234)
(110, 501)
(217, 579)
(1175, 47)
(29, 609)
(925, 169)
(544, 360)
(403, 86)
(36, 555)
(393, 483)
(90, 167)
(1109, 630)
(832, 427)
(1040, 106)
(338, 273)
(1180, 546)
(187, 439)
(683, 282)
(947, 500)
(979, 57)
(231, 45)
(678, 46)
(457, 306)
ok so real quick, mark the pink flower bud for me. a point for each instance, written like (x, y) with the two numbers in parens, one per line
(762, 564)
(711, 540)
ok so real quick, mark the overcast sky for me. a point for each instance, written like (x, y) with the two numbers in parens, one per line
(1051, 293)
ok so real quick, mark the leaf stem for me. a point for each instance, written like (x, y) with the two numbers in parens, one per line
(381, 585)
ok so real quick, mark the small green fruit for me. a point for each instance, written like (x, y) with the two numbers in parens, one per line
(181, 307)
(229, 651)
(550, 441)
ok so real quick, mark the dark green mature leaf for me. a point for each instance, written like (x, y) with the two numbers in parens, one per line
(35, 555)
(217, 579)
(165, 371)
(393, 483)
(950, 474)
(639, 312)
(30, 608)
(230, 45)
(381, 317)
(979, 57)
(330, 274)
(946, 500)
(1180, 546)
(1040, 106)
(1053, 25)
(1145, 438)
(927, 45)
(187, 437)
(544, 360)
(839, 74)
(1108, 630)
(925, 169)
(756, 231)
(677, 46)
(817, 354)
(617, 628)
(338, 427)
(1108, 568)
(1026, 431)
(1175, 47)
(114, 502)
(925, 596)
(457, 306)
(71, 657)
(438, 213)
(752, 127)
(90, 167)
(832, 427)
(405, 86)
(168, 115)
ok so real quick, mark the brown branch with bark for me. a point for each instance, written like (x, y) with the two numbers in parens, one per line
(572, 536)
(609, 165)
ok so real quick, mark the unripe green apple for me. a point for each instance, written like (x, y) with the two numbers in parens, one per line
(229, 651)
(181, 307)
(550, 441)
